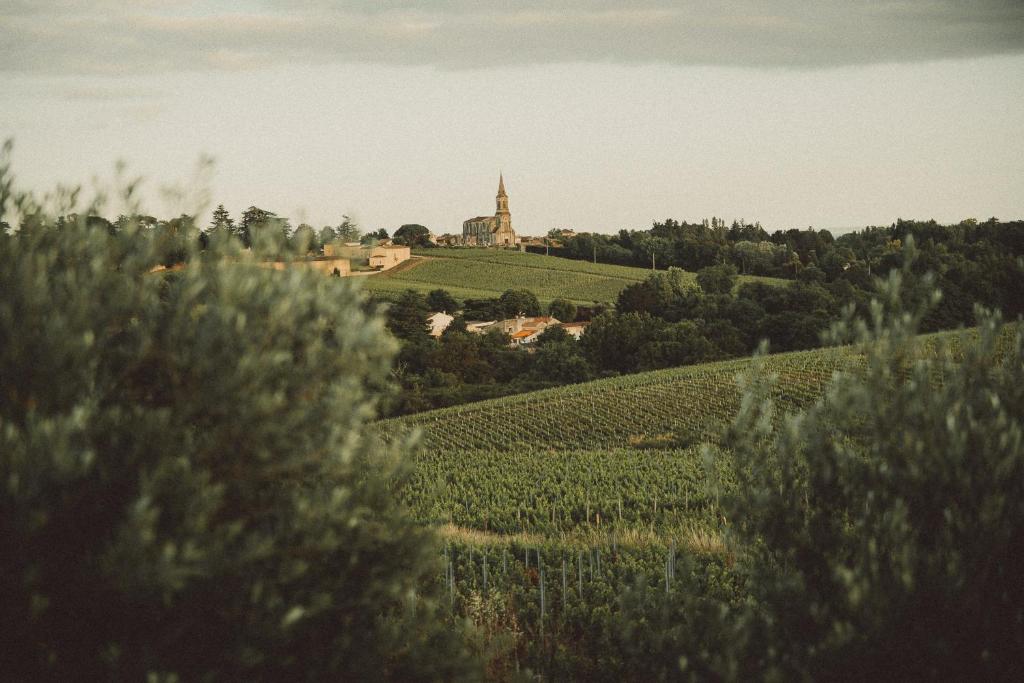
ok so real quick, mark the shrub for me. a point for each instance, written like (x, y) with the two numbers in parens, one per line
(188, 488)
(881, 531)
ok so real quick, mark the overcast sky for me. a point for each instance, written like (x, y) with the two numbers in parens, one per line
(602, 115)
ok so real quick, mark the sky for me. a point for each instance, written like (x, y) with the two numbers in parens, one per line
(601, 115)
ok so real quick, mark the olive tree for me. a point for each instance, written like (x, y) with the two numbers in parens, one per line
(881, 530)
(189, 485)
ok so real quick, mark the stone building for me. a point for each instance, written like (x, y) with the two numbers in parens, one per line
(488, 231)
(388, 257)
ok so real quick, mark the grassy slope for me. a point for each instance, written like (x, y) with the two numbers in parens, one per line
(618, 412)
(622, 453)
(484, 273)
(552, 463)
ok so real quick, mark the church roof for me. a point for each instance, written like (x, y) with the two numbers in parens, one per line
(479, 218)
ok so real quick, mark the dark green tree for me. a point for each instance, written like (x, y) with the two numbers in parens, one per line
(252, 219)
(516, 302)
(372, 237)
(305, 240)
(441, 300)
(221, 221)
(718, 279)
(563, 310)
(559, 359)
(413, 235)
(552, 335)
(407, 317)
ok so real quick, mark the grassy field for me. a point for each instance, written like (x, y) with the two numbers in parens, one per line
(486, 273)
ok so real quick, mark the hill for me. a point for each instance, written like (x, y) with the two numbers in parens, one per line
(486, 273)
(615, 461)
(620, 411)
(627, 450)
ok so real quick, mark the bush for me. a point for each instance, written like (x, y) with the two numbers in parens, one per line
(882, 538)
(188, 487)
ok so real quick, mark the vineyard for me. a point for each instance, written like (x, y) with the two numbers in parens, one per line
(564, 493)
(558, 505)
(687, 403)
(483, 273)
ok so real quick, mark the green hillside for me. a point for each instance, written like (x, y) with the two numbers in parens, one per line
(616, 462)
(621, 411)
(625, 450)
(569, 495)
(486, 273)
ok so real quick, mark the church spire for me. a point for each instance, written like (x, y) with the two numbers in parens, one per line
(502, 198)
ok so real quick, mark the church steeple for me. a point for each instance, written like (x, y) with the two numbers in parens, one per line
(502, 198)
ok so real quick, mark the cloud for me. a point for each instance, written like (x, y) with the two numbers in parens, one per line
(108, 37)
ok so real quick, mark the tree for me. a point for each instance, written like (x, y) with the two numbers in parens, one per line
(516, 302)
(612, 340)
(718, 279)
(407, 317)
(305, 240)
(441, 300)
(190, 489)
(563, 310)
(173, 238)
(413, 235)
(883, 538)
(348, 230)
(252, 218)
(372, 237)
(221, 222)
(553, 334)
(559, 360)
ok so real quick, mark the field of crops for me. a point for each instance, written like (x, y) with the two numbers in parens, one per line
(483, 273)
(554, 504)
(563, 492)
(622, 411)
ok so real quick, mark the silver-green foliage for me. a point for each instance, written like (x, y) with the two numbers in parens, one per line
(882, 530)
(186, 485)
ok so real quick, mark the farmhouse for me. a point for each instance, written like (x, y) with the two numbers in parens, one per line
(383, 258)
(534, 324)
(496, 230)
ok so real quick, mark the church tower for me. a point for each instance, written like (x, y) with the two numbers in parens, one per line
(502, 198)
(491, 231)
(503, 234)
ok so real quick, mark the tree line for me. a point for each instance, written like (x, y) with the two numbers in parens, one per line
(177, 239)
(664, 321)
(975, 259)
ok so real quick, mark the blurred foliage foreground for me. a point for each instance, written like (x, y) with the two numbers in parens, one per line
(189, 492)
(187, 488)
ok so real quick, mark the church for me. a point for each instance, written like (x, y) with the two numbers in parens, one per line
(489, 231)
